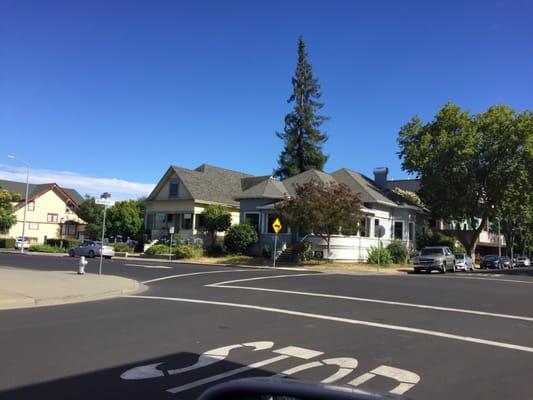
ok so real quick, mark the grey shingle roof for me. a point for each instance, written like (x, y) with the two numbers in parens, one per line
(305, 177)
(210, 183)
(37, 189)
(269, 189)
(367, 188)
(413, 185)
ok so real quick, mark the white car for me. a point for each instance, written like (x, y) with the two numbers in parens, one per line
(464, 262)
(18, 243)
(522, 261)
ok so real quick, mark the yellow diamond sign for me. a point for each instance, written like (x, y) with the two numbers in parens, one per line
(276, 226)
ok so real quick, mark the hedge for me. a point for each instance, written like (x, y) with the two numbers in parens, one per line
(7, 243)
(123, 248)
(240, 237)
(157, 249)
(186, 251)
(384, 256)
(46, 248)
(67, 243)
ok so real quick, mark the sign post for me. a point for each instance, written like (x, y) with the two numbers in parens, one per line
(171, 232)
(277, 228)
(380, 233)
(104, 200)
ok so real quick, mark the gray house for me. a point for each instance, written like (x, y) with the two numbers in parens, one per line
(384, 211)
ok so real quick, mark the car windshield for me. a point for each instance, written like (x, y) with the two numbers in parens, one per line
(431, 251)
(490, 257)
(459, 256)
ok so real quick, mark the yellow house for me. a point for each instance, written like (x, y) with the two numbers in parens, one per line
(51, 212)
(182, 194)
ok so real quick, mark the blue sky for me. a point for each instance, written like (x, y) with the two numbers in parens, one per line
(108, 94)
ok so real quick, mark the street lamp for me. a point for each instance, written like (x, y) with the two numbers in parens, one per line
(103, 196)
(25, 199)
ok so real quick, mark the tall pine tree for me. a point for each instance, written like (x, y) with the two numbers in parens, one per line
(301, 135)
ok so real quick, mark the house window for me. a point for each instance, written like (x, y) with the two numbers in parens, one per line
(252, 219)
(70, 229)
(398, 230)
(173, 189)
(270, 222)
(376, 227)
(200, 221)
(362, 228)
(51, 217)
(33, 226)
(160, 220)
(186, 222)
(31, 206)
(411, 231)
(150, 221)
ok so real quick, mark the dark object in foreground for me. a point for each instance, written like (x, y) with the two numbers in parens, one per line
(286, 389)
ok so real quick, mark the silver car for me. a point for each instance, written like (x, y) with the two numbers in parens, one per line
(464, 262)
(438, 258)
(91, 248)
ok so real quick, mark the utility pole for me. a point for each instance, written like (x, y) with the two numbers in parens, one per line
(25, 200)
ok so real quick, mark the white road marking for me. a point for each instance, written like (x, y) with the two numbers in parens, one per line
(293, 350)
(298, 352)
(487, 279)
(207, 358)
(367, 300)
(191, 274)
(149, 266)
(262, 278)
(406, 378)
(400, 328)
(346, 366)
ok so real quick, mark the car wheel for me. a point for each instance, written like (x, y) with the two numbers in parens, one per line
(443, 268)
(107, 257)
(454, 268)
(71, 253)
(91, 254)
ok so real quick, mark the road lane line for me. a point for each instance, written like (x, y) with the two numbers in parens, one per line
(263, 277)
(367, 300)
(487, 279)
(400, 328)
(149, 266)
(192, 274)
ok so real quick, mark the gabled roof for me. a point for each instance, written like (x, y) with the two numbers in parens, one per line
(206, 183)
(36, 190)
(305, 177)
(367, 188)
(267, 189)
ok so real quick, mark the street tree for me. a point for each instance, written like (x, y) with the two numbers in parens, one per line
(7, 209)
(324, 209)
(92, 214)
(302, 136)
(216, 219)
(124, 219)
(466, 163)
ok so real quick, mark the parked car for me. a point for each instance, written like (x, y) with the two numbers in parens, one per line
(434, 258)
(464, 262)
(522, 261)
(491, 261)
(90, 248)
(18, 243)
(507, 262)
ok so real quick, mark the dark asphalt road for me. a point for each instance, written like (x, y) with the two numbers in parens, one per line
(459, 336)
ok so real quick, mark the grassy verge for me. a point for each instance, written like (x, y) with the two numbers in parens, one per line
(46, 248)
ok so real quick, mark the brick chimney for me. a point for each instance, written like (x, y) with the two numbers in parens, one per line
(380, 176)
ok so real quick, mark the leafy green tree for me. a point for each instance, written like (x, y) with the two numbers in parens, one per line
(216, 219)
(7, 210)
(124, 218)
(324, 209)
(302, 136)
(93, 214)
(240, 237)
(466, 163)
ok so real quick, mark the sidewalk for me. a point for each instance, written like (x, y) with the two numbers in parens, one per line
(21, 288)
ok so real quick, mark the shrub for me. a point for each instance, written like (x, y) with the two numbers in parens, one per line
(67, 243)
(46, 248)
(240, 237)
(123, 248)
(398, 252)
(215, 250)
(303, 251)
(382, 253)
(157, 249)
(188, 251)
(7, 243)
(266, 251)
